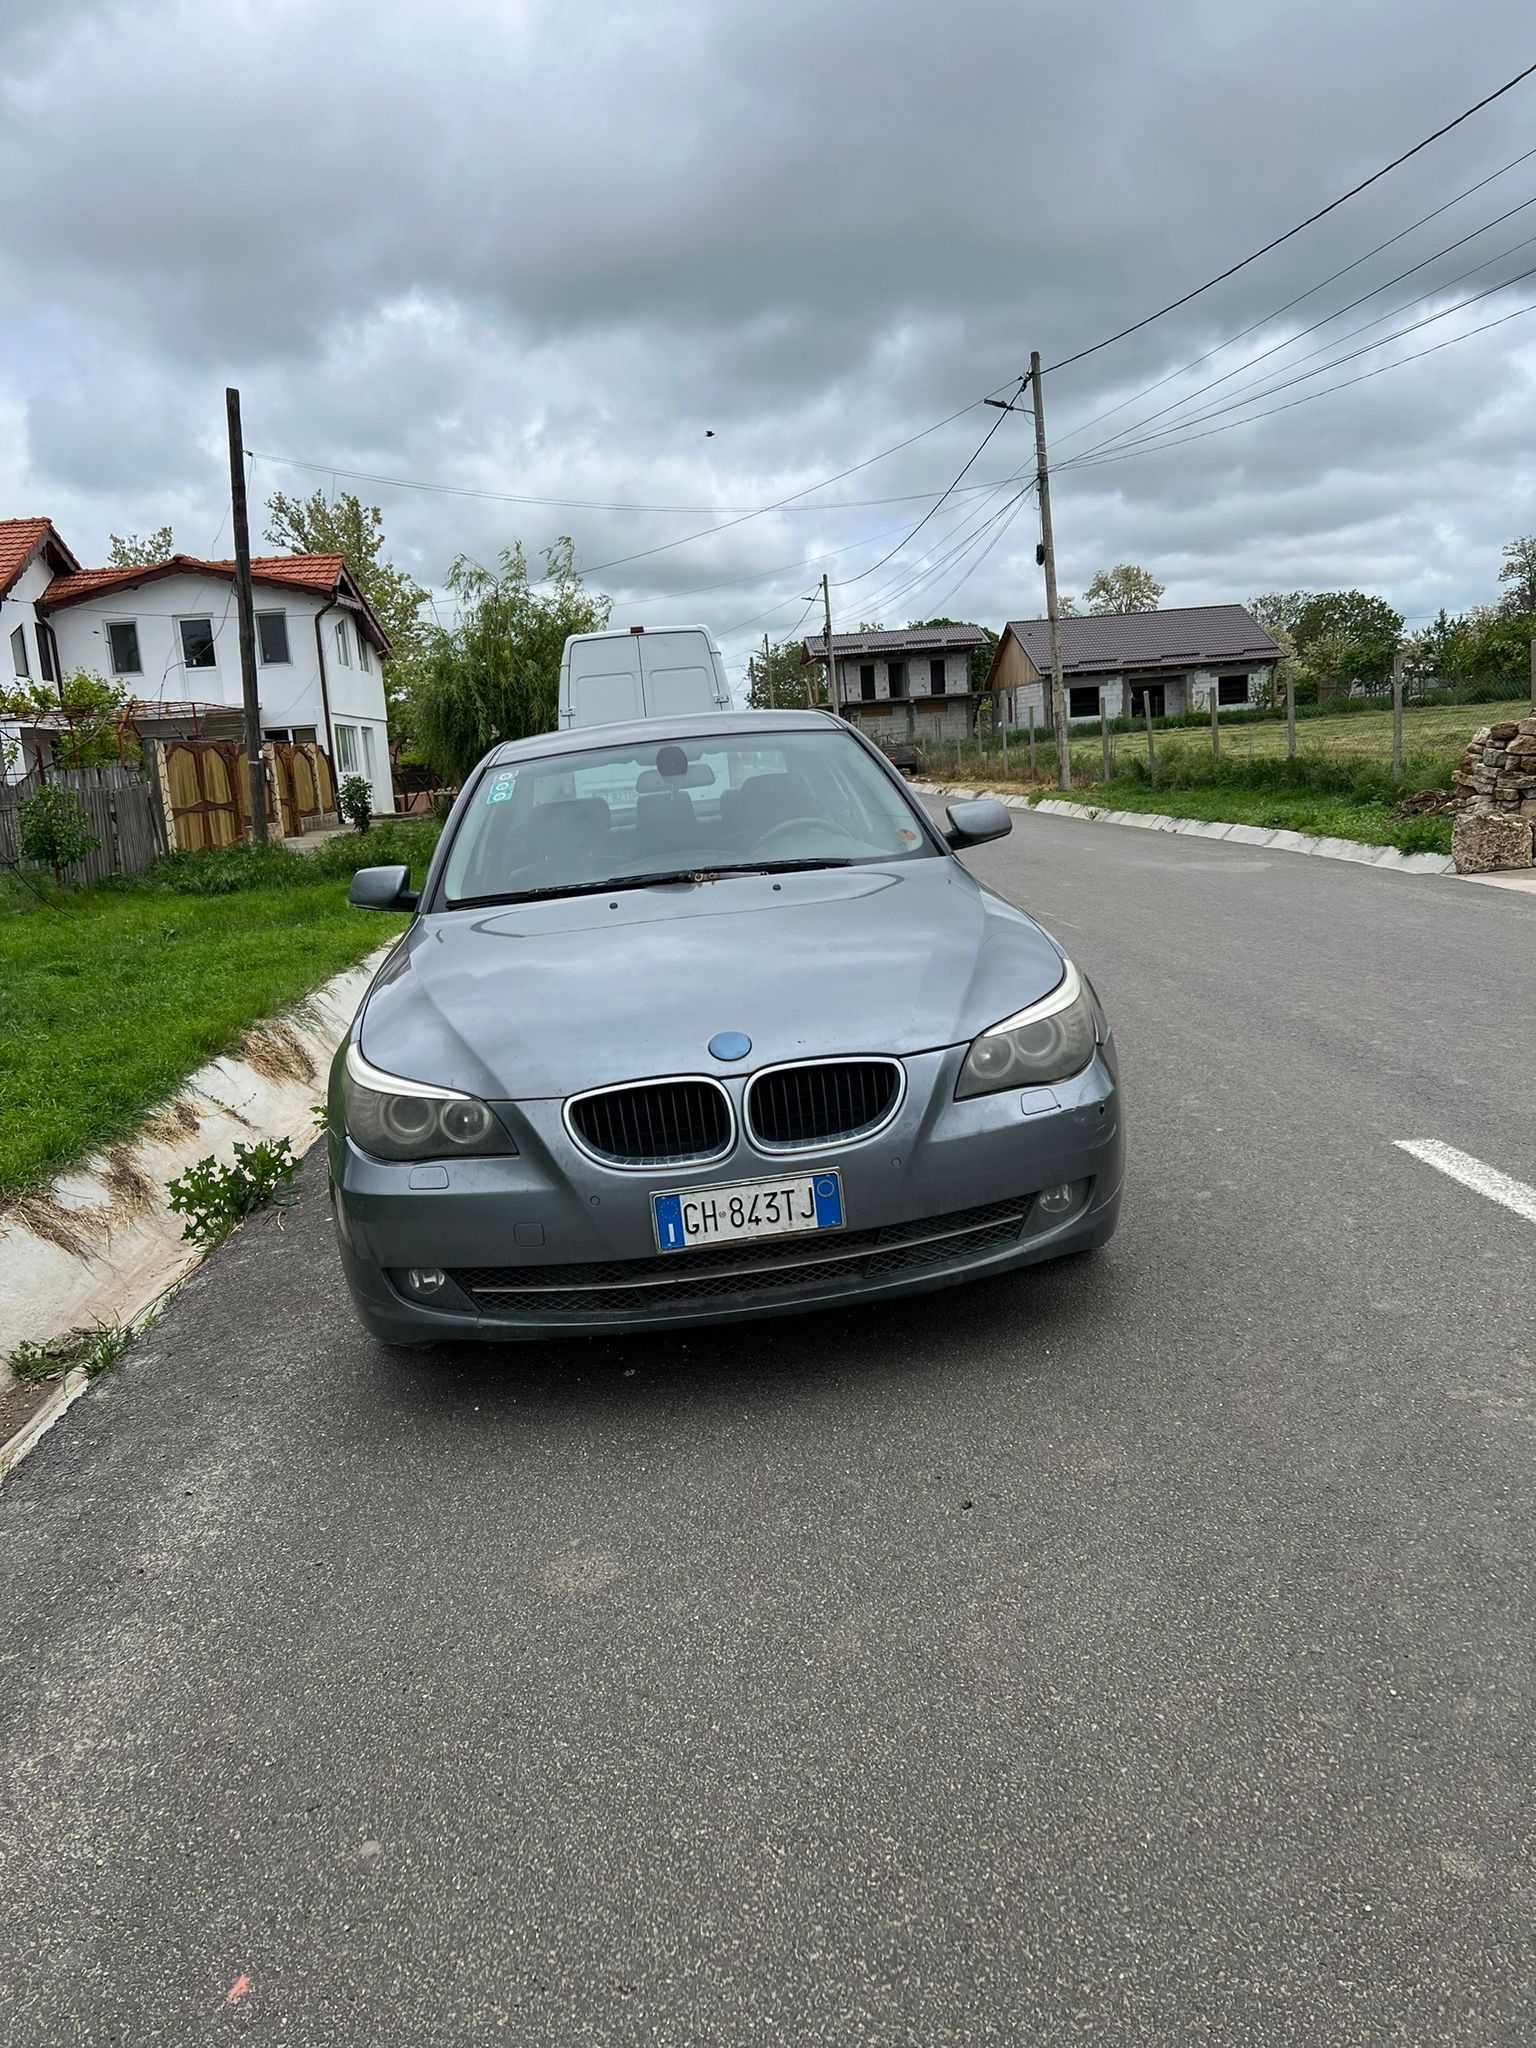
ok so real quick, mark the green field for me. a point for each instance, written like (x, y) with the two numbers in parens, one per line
(110, 997)
(1437, 732)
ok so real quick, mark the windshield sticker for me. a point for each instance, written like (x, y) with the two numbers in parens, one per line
(500, 791)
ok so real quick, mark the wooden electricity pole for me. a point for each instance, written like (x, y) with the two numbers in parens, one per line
(1048, 549)
(826, 600)
(255, 770)
(770, 694)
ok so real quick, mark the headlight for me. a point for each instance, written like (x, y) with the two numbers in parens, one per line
(1049, 1041)
(397, 1119)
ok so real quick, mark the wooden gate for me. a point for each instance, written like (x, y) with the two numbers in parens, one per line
(306, 792)
(205, 793)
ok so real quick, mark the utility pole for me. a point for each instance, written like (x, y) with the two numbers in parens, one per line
(1397, 712)
(1048, 550)
(770, 694)
(826, 600)
(256, 777)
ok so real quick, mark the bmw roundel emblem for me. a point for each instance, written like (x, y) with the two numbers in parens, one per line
(730, 1045)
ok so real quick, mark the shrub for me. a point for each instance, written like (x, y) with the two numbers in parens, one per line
(225, 870)
(356, 799)
(54, 829)
(215, 1198)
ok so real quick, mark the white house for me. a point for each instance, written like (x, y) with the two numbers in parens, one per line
(1129, 662)
(904, 685)
(171, 633)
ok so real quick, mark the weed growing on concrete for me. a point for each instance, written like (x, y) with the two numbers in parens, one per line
(92, 1350)
(215, 1198)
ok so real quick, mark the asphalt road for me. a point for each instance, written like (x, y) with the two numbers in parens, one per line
(1137, 1651)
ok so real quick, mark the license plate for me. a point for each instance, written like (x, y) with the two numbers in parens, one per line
(797, 1203)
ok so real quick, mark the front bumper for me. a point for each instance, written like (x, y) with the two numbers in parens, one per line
(551, 1243)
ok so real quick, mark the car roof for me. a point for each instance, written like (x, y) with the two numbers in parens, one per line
(582, 739)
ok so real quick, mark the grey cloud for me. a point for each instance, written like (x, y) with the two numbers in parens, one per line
(541, 252)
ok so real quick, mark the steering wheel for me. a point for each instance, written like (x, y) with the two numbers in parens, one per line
(776, 833)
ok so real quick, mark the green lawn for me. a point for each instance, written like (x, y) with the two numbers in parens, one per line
(110, 997)
(1373, 824)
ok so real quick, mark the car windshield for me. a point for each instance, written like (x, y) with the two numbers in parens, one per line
(625, 814)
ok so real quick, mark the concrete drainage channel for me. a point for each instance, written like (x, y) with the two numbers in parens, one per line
(1386, 858)
(101, 1245)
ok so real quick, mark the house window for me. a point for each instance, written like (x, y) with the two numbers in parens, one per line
(346, 748)
(19, 652)
(197, 643)
(364, 653)
(47, 653)
(938, 681)
(123, 647)
(1232, 690)
(1147, 698)
(343, 647)
(867, 682)
(303, 735)
(1083, 701)
(272, 637)
(367, 736)
(898, 675)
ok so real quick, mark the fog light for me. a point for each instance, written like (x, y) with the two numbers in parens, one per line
(1061, 1201)
(424, 1280)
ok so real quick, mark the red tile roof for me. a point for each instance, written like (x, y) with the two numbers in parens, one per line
(304, 572)
(320, 573)
(18, 539)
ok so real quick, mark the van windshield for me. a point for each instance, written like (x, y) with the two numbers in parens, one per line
(620, 816)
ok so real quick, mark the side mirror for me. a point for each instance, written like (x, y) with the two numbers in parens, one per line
(975, 821)
(383, 889)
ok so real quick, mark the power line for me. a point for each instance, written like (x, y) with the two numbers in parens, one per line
(1163, 447)
(1327, 320)
(1310, 292)
(1311, 221)
(403, 483)
(986, 437)
(1337, 362)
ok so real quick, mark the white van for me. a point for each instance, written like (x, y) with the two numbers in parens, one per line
(658, 672)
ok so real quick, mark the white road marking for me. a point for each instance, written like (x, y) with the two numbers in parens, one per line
(1472, 1173)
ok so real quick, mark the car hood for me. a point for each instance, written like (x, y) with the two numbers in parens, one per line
(544, 999)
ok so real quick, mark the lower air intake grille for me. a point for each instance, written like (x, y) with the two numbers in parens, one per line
(744, 1273)
(822, 1102)
(655, 1123)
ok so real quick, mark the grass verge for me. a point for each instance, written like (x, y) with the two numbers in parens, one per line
(110, 997)
(1338, 817)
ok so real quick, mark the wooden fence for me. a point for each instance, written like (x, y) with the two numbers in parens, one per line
(121, 806)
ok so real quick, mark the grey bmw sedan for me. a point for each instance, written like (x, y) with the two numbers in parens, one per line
(699, 1019)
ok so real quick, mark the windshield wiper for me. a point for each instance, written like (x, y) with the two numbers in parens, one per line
(647, 880)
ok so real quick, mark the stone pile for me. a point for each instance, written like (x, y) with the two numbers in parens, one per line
(1496, 790)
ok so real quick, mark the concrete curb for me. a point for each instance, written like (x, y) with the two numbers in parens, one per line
(1385, 858)
(101, 1245)
(41, 1420)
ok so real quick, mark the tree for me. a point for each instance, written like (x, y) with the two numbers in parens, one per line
(1125, 588)
(1366, 626)
(980, 657)
(779, 685)
(85, 715)
(54, 830)
(1277, 611)
(496, 674)
(1519, 572)
(1490, 647)
(128, 551)
(318, 525)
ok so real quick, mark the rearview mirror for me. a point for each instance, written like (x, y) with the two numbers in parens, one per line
(383, 889)
(975, 821)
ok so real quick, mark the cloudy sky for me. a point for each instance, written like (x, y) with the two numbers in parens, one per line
(539, 252)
